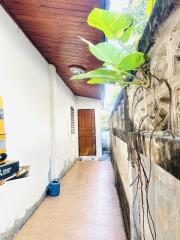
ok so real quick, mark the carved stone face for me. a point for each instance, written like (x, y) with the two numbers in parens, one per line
(154, 110)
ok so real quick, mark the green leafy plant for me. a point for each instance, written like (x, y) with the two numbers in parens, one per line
(120, 56)
(112, 24)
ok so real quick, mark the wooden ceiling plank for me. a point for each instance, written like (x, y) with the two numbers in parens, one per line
(51, 17)
(64, 40)
(63, 33)
(54, 27)
(90, 3)
(66, 9)
(50, 11)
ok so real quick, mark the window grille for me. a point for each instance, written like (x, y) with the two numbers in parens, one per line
(72, 121)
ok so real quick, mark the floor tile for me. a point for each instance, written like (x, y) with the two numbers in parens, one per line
(87, 209)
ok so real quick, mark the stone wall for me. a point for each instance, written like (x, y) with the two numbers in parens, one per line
(145, 134)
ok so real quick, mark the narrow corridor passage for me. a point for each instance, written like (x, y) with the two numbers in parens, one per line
(87, 209)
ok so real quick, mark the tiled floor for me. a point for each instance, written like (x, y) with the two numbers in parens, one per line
(87, 209)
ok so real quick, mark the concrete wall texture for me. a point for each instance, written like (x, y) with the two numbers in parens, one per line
(38, 123)
(159, 156)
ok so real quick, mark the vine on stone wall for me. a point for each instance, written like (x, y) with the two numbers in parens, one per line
(124, 65)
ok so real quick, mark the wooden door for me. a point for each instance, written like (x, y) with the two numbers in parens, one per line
(87, 134)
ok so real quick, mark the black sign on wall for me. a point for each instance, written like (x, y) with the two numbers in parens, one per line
(8, 169)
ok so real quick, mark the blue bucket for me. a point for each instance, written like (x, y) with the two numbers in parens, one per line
(54, 188)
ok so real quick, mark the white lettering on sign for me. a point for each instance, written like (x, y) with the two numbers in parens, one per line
(5, 171)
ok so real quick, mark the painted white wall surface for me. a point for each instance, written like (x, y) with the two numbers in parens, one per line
(25, 88)
(90, 103)
(65, 142)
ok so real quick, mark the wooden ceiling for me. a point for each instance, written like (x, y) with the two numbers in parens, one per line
(53, 26)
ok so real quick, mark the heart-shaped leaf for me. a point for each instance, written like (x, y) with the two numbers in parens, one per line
(98, 73)
(105, 52)
(111, 23)
(132, 61)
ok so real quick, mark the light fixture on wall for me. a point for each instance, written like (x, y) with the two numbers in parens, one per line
(75, 69)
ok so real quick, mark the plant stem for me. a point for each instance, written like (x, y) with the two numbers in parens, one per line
(130, 74)
(126, 73)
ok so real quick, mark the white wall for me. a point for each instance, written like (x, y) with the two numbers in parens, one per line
(65, 142)
(89, 103)
(25, 88)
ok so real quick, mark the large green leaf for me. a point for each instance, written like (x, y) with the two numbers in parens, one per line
(122, 82)
(120, 79)
(105, 52)
(98, 73)
(111, 23)
(100, 81)
(150, 6)
(132, 61)
(127, 34)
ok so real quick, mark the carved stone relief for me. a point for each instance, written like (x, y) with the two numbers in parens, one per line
(121, 116)
(178, 111)
(157, 103)
(159, 64)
